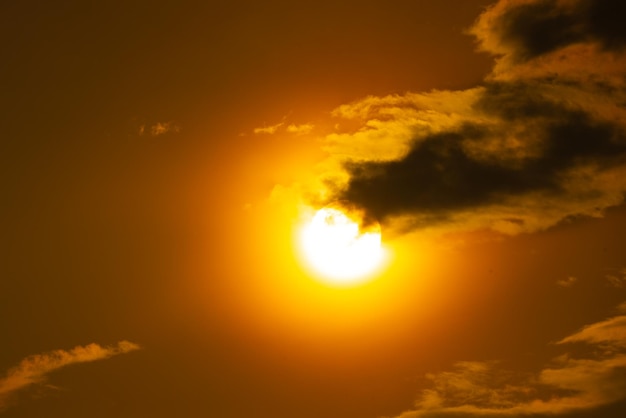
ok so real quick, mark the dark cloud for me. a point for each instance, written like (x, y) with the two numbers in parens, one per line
(534, 29)
(537, 134)
(531, 29)
(605, 21)
(444, 172)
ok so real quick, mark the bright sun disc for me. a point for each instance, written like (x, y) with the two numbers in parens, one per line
(339, 249)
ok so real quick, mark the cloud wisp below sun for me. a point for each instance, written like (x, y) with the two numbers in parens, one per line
(34, 369)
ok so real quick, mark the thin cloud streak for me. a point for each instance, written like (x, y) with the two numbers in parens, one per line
(34, 369)
(292, 128)
(272, 129)
(162, 128)
(159, 128)
(617, 279)
(567, 282)
(303, 129)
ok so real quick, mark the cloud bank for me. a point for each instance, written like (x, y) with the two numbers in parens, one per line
(567, 385)
(34, 369)
(540, 141)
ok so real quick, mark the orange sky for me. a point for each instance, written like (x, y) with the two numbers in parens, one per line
(157, 159)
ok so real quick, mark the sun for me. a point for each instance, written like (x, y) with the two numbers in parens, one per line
(339, 248)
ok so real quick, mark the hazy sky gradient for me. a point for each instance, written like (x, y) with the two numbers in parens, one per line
(157, 156)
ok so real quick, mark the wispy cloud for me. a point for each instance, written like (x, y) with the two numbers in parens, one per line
(567, 282)
(566, 385)
(159, 128)
(34, 369)
(540, 141)
(282, 126)
(272, 129)
(617, 278)
(303, 129)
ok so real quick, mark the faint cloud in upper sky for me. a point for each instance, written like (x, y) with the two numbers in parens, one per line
(292, 128)
(268, 129)
(302, 129)
(617, 279)
(35, 368)
(567, 282)
(159, 128)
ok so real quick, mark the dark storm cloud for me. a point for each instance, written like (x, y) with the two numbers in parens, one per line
(439, 174)
(530, 136)
(535, 28)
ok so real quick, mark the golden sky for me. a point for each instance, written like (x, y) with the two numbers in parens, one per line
(159, 161)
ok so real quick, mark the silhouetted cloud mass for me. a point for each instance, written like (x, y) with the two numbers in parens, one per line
(542, 139)
(534, 28)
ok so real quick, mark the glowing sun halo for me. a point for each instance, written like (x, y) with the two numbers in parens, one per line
(338, 250)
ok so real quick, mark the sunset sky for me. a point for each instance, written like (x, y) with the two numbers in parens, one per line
(160, 160)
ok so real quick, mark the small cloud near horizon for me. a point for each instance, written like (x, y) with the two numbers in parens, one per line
(35, 369)
(566, 385)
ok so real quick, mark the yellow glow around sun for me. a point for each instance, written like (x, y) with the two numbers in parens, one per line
(338, 249)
